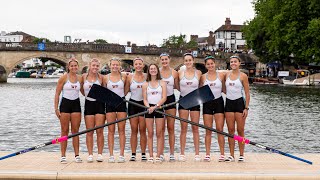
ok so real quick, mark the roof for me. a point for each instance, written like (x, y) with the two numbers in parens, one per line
(232, 27)
(201, 40)
(19, 33)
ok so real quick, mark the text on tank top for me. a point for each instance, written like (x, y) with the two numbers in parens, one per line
(234, 88)
(136, 89)
(170, 83)
(188, 85)
(71, 90)
(154, 95)
(87, 86)
(116, 87)
(215, 86)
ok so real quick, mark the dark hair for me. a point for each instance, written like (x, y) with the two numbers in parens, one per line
(188, 54)
(148, 73)
(209, 57)
(237, 57)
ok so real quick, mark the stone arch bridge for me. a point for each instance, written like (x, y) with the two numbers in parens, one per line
(12, 54)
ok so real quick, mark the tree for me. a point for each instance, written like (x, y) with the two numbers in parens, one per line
(40, 40)
(284, 30)
(179, 42)
(100, 41)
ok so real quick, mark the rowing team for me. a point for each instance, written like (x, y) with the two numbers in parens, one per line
(153, 90)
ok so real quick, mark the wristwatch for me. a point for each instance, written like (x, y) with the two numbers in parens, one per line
(247, 108)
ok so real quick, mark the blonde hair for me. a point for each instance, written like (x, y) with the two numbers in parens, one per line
(71, 60)
(115, 59)
(91, 61)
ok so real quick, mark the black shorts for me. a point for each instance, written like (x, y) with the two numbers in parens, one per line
(120, 108)
(70, 106)
(195, 108)
(133, 109)
(94, 107)
(235, 105)
(154, 114)
(213, 106)
(170, 99)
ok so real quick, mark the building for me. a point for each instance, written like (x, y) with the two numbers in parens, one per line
(17, 36)
(204, 43)
(229, 37)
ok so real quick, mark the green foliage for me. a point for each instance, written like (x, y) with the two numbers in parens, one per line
(179, 42)
(100, 41)
(39, 40)
(285, 29)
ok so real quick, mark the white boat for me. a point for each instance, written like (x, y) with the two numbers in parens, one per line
(303, 78)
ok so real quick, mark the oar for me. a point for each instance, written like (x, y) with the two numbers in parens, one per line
(238, 138)
(65, 138)
(194, 98)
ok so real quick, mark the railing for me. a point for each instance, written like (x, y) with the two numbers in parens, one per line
(107, 48)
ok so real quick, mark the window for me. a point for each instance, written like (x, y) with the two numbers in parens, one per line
(233, 46)
(242, 36)
(14, 39)
(220, 35)
(233, 35)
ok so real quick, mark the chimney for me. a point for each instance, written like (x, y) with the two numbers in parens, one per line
(194, 37)
(228, 22)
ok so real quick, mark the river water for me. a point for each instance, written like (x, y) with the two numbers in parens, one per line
(282, 117)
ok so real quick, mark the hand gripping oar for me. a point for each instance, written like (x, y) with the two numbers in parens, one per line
(238, 138)
(64, 138)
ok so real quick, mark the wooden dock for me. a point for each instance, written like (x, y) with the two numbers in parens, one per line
(46, 165)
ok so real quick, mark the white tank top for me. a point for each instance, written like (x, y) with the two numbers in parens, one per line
(215, 86)
(170, 83)
(154, 95)
(87, 86)
(136, 89)
(116, 87)
(188, 85)
(71, 90)
(234, 88)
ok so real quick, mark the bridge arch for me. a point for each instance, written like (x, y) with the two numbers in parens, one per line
(3, 74)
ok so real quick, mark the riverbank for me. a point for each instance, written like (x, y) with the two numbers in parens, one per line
(46, 165)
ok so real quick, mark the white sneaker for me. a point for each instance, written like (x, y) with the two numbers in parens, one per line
(100, 158)
(182, 158)
(77, 159)
(90, 158)
(172, 158)
(63, 160)
(111, 159)
(162, 158)
(197, 158)
(121, 159)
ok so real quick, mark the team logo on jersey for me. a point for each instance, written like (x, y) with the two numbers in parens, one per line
(139, 86)
(232, 84)
(154, 92)
(73, 86)
(115, 86)
(212, 84)
(189, 83)
(167, 82)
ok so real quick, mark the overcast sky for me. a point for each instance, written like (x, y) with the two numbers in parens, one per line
(119, 21)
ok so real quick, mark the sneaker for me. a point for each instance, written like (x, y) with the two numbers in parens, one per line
(144, 158)
(77, 159)
(150, 160)
(241, 159)
(222, 158)
(121, 159)
(158, 160)
(111, 159)
(207, 158)
(172, 158)
(162, 158)
(133, 158)
(197, 158)
(100, 158)
(90, 158)
(229, 159)
(182, 158)
(63, 160)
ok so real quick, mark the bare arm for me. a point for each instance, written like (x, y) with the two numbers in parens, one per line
(202, 78)
(81, 84)
(144, 93)
(223, 79)
(164, 93)
(127, 84)
(176, 79)
(59, 87)
(245, 83)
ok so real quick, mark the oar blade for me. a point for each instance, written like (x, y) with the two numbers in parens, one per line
(104, 95)
(197, 97)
